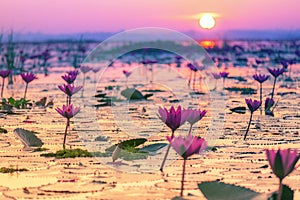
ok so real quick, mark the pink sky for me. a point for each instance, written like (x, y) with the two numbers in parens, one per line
(71, 16)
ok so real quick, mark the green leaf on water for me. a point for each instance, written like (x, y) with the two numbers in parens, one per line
(153, 147)
(222, 191)
(287, 194)
(128, 145)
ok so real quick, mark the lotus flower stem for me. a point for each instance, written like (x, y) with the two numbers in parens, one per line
(260, 98)
(165, 158)
(272, 95)
(194, 80)
(190, 78)
(279, 190)
(248, 126)
(25, 90)
(190, 130)
(182, 178)
(65, 135)
(83, 85)
(2, 87)
(67, 101)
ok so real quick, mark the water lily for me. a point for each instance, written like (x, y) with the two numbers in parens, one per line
(253, 106)
(269, 103)
(275, 73)
(282, 163)
(68, 112)
(71, 76)
(69, 90)
(186, 147)
(4, 74)
(27, 77)
(127, 74)
(193, 115)
(173, 119)
(224, 75)
(260, 78)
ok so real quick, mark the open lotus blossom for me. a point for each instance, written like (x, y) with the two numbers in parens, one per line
(275, 73)
(253, 106)
(282, 162)
(193, 115)
(173, 119)
(27, 77)
(69, 89)
(4, 74)
(85, 69)
(71, 76)
(224, 74)
(260, 78)
(68, 112)
(186, 147)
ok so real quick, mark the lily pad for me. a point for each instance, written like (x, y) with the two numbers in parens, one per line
(134, 94)
(28, 138)
(222, 191)
(153, 147)
(239, 109)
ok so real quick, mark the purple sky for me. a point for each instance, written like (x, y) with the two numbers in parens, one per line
(71, 16)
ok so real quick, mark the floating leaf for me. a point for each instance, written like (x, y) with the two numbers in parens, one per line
(128, 145)
(153, 147)
(134, 94)
(222, 191)
(239, 109)
(28, 138)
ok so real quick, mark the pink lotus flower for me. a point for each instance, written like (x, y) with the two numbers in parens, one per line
(172, 118)
(85, 69)
(68, 111)
(275, 73)
(127, 73)
(261, 77)
(70, 77)
(193, 116)
(283, 161)
(188, 146)
(5, 73)
(224, 74)
(96, 69)
(253, 105)
(28, 77)
(69, 89)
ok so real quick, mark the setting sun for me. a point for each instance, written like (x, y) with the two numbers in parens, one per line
(207, 22)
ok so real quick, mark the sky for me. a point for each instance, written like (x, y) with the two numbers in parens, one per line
(76, 16)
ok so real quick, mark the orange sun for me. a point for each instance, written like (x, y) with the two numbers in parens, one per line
(207, 21)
